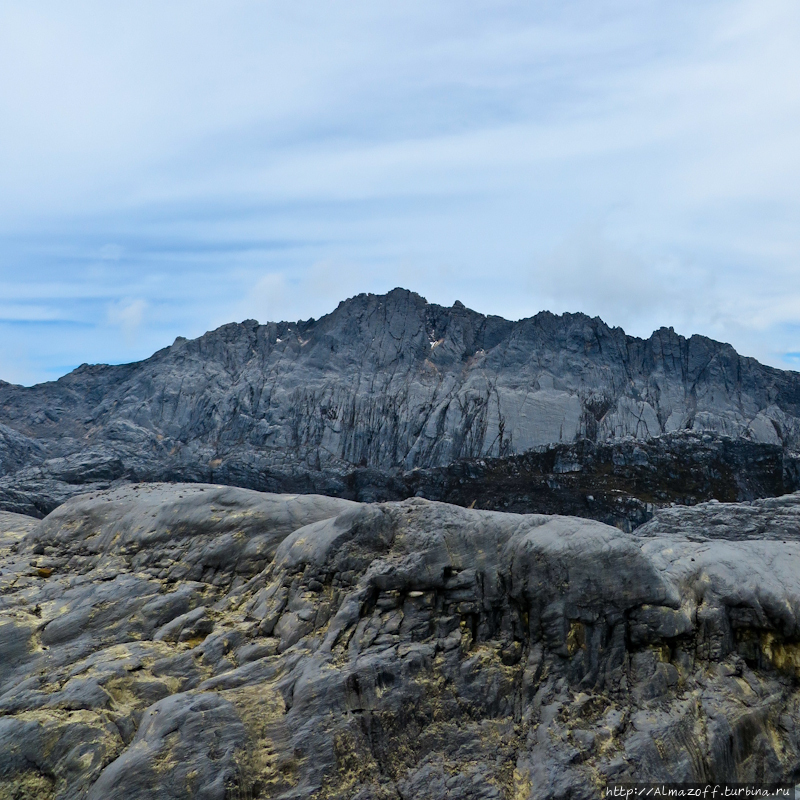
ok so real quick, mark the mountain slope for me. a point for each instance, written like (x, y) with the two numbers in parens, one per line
(385, 382)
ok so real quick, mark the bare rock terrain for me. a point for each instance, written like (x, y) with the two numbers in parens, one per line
(358, 403)
(173, 641)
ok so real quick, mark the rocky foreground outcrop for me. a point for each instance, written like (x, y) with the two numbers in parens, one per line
(384, 383)
(173, 641)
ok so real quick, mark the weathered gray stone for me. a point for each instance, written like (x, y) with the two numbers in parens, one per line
(386, 384)
(396, 650)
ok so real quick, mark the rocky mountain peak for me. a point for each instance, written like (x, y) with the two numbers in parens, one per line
(391, 382)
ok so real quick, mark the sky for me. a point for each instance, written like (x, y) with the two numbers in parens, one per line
(168, 167)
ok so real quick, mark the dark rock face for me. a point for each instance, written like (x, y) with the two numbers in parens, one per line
(194, 640)
(386, 383)
(619, 483)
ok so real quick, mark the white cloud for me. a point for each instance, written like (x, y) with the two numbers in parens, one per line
(589, 273)
(128, 315)
(314, 292)
(265, 299)
(168, 167)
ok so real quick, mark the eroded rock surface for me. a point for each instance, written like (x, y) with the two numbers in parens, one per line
(386, 383)
(170, 641)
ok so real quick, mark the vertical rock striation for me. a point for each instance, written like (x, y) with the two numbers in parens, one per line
(390, 383)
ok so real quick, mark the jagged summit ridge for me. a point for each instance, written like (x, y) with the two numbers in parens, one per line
(392, 382)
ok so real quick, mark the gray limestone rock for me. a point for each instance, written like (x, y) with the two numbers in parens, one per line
(386, 383)
(165, 641)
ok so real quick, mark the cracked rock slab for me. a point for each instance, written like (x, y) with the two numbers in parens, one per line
(171, 640)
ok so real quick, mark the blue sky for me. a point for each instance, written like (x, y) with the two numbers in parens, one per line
(169, 167)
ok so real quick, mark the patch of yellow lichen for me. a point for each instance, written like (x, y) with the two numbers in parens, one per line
(44, 716)
(355, 768)
(776, 740)
(662, 653)
(52, 723)
(522, 787)
(193, 641)
(263, 713)
(166, 761)
(123, 690)
(28, 786)
(785, 656)
(576, 637)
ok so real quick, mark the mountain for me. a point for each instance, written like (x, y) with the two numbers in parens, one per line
(384, 386)
(169, 636)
